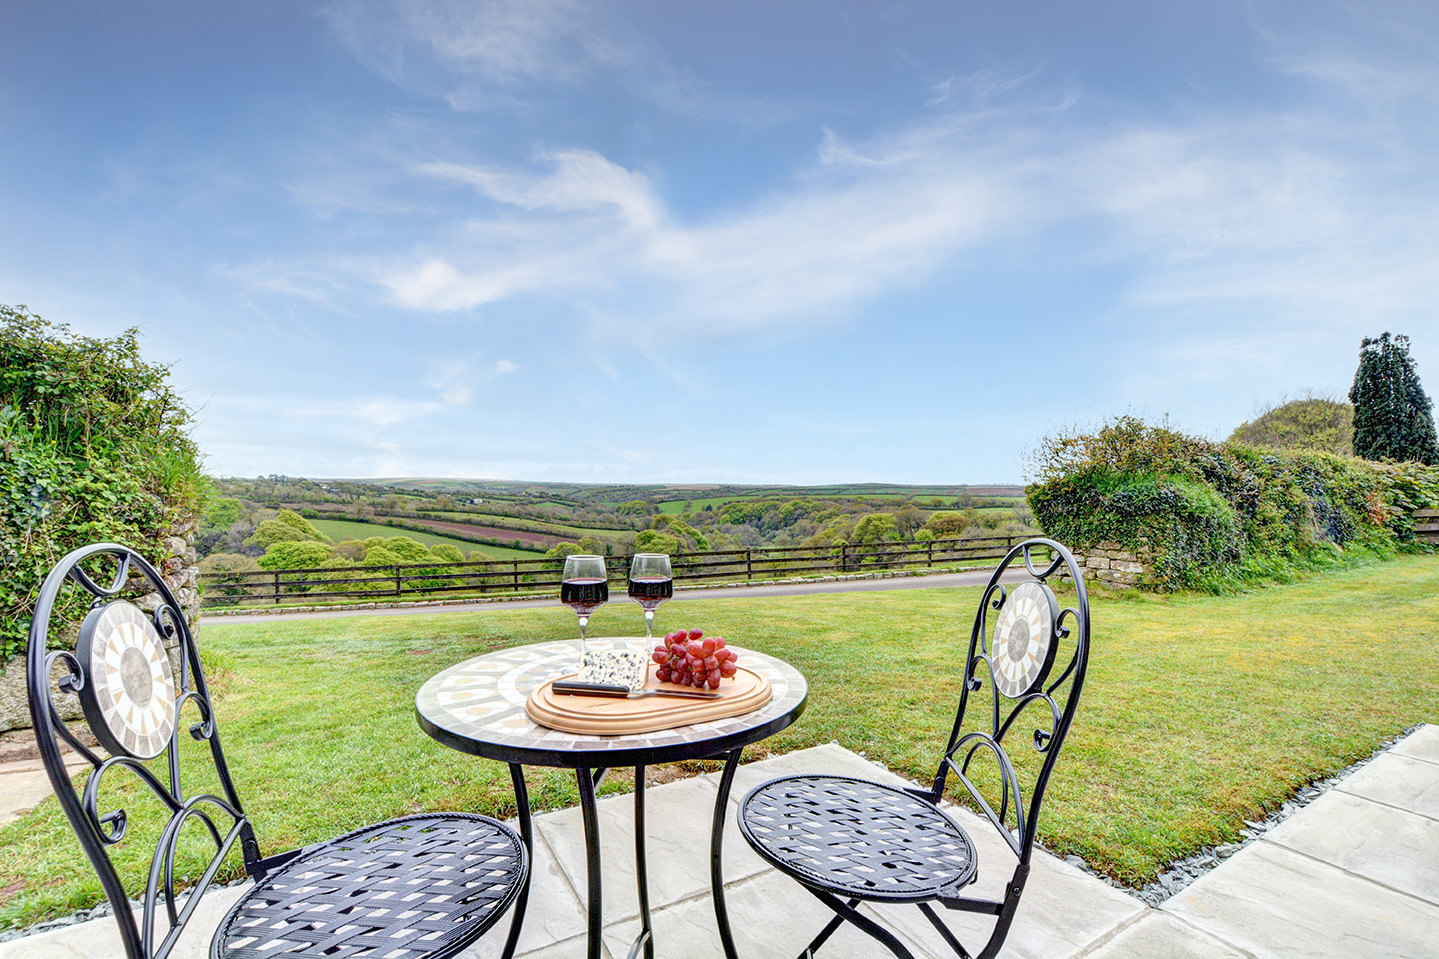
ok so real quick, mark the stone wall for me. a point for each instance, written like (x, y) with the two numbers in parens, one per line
(180, 572)
(1110, 564)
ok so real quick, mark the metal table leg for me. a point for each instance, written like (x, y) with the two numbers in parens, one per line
(587, 781)
(646, 935)
(522, 803)
(717, 851)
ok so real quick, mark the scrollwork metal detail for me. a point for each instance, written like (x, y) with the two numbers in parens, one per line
(99, 828)
(1048, 695)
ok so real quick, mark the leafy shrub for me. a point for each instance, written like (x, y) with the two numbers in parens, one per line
(402, 548)
(348, 550)
(296, 554)
(1313, 422)
(287, 527)
(1215, 515)
(94, 445)
(447, 553)
(229, 563)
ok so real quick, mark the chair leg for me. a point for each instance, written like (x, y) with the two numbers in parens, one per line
(943, 930)
(522, 805)
(864, 923)
(717, 854)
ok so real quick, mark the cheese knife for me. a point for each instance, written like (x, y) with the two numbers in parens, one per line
(575, 688)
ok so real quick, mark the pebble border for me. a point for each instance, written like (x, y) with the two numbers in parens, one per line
(1184, 871)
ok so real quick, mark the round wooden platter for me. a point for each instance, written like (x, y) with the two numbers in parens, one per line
(612, 716)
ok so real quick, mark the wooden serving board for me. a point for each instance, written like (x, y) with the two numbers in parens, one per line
(611, 716)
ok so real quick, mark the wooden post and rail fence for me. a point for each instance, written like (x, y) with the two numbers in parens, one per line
(1426, 526)
(516, 576)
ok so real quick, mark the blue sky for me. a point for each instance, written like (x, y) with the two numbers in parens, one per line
(781, 242)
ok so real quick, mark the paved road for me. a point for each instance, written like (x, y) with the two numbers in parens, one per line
(977, 577)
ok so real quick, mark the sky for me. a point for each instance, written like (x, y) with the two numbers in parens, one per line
(787, 241)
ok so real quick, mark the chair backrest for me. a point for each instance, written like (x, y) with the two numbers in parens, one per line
(1026, 664)
(133, 701)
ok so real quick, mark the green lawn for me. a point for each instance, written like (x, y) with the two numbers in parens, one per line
(1199, 711)
(338, 529)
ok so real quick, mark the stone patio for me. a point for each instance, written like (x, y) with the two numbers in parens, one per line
(1355, 873)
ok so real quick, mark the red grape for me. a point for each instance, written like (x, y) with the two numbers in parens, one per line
(688, 658)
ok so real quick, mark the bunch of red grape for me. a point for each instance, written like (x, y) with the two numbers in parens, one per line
(690, 658)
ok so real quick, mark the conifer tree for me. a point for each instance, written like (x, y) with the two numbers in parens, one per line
(1393, 416)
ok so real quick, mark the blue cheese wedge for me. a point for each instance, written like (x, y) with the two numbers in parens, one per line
(614, 668)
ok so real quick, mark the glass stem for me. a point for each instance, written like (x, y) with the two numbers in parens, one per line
(649, 624)
(584, 624)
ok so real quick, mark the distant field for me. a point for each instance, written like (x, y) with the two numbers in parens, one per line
(519, 523)
(675, 506)
(338, 529)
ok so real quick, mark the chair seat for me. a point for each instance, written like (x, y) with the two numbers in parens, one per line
(425, 885)
(857, 839)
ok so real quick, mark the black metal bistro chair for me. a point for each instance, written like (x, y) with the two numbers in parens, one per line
(419, 886)
(849, 841)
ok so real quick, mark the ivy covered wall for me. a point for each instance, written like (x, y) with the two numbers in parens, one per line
(94, 445)
(1214, 516)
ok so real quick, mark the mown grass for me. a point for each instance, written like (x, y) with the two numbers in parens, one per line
(1199, 711)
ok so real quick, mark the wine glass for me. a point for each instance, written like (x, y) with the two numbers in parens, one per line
(651, 583)
(584, 588)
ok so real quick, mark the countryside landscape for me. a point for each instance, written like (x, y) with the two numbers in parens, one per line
(555, 478)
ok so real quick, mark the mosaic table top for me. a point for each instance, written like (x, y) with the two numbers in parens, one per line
(478, 707)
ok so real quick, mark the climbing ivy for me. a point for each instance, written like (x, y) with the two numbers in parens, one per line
(1218, 515)
(94, 445)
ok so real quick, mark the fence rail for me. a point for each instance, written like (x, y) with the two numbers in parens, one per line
(1426, 525)
(513, 576)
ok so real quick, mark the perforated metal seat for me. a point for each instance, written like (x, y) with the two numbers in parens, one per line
(418, 887)
(421, 886)
(853, 837)
(848, 841)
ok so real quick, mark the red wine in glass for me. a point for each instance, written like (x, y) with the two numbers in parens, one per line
(585, 595)
(584, 588)
(650, 591)
(651, 583)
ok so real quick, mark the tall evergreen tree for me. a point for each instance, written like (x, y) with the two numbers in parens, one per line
(1393, 416)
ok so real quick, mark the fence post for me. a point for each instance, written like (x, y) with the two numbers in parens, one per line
(277, 587)
(515, 575)
(929, 554)
(397, 579)
(843, 557)
(748, 563)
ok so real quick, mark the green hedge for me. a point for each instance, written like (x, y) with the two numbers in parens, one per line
(1218, 515)
(93, 446)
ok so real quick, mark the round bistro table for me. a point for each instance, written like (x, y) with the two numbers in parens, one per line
(478, 707)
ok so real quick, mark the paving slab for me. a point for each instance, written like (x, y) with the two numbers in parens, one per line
(100, 938)
(1393, 847)
(827, 760)
(1273, 902)
(23, 783)
(1063, 911)
(1398, 781)
(1159, 935)
(770, 917)
(555, 912)
(677, 831)
(1423, 743)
